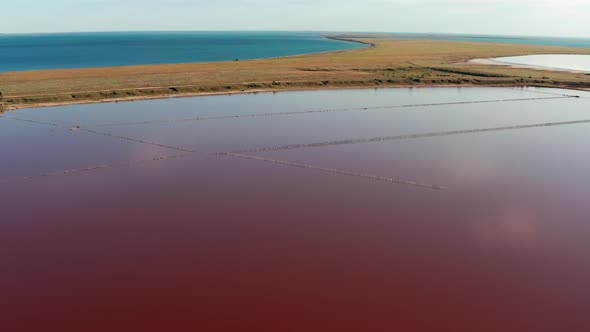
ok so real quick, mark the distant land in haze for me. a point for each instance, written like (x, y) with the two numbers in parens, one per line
(104, 49)
(501, 39)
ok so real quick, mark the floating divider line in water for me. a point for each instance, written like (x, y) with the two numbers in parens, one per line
(269, 114)
(338, 171)
(137, 140)
(38, 122)
(401, 137)
(91, 131)
(95, 167)
(545, 92)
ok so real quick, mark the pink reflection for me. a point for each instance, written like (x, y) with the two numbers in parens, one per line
(515, 228)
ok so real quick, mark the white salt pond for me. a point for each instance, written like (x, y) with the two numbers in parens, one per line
(560, 62)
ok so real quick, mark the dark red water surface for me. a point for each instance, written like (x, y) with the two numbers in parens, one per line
(133, 217)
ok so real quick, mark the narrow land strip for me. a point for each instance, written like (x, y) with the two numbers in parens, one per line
(388, 63)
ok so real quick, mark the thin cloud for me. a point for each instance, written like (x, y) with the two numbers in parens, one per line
(515, 17)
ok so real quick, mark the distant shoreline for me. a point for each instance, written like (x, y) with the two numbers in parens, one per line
(387, 63)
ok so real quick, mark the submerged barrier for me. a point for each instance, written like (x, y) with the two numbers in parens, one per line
(545, 92)
(186, 152)
(246, 154)
(338, 171)
(95, 167)
(401, 137)
(127, 138)
(91, 131)
(368, 108)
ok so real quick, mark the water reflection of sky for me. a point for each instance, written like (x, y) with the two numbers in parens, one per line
(214, 240)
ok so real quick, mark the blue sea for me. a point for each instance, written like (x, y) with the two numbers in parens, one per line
(103, 49)
(80, 50)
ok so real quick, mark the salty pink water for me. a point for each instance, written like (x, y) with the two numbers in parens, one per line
(208, 242)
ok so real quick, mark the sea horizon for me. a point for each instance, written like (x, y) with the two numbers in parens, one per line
(66, 50)
(456, 34)
(109, 49)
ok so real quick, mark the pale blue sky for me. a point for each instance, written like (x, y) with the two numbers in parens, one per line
(514, 17)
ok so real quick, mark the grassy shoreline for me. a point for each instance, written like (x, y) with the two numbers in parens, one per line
(386, 63)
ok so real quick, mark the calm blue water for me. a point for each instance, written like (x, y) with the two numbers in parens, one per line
(77, 50)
